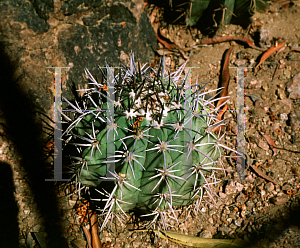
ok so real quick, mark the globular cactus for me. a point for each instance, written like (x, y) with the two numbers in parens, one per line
(163, 141)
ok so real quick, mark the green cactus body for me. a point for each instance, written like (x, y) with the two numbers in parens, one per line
(151, 172)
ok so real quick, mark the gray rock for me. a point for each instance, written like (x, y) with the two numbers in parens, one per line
(77, 34)
(293, 87)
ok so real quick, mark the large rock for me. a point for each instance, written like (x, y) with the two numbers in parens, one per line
(78, 34)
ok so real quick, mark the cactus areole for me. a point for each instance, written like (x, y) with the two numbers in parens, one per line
(162, 148)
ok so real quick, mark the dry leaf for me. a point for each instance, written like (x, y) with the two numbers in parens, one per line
(87, 236)
(261, 174)
(192, 241)
(269, 52)
(270, 142)
(165, 41)
(225, 78)
(96, 243)
(228, 38)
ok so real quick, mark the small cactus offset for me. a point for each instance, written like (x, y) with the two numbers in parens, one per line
(154, 151)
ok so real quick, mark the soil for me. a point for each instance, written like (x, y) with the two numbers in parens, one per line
(264, 211)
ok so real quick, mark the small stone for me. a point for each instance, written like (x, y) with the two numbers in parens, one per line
(241, 199)
(29, 240)
(240, 62)
(293, 87)
(210, 220)
(294, 119)
(255, 84)
(283, 117)
(26, 211)
(279, 200)
(137, 244)
(238, 222)
(239, 186)
(2, 147)
(230, 188)
(36, 228)
(280, 93)
(205, 234)
(72, 203)
(294, 46)
(262, 144)
(22, 241)
(269, 187)
(250, 204)
(287, 73)
(134, 235)
(225, 229)
(222, 195)
(264, 38)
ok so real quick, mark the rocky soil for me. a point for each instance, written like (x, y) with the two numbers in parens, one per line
(264, 209)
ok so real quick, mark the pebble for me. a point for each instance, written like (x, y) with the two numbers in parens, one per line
(240, 62)
(2, 147)
(238, 222)
(294, 121)
(250, 203)
(280, 93)
(279, 200)
(26, 211)
(36, 228)
(72, 203)
(262, 144)
(269, 187)
(205, 234)
(239, 186)
(287, 73)
(255, 84)
(134, 235)
(283, 117)
(241, 199)
(225, 229)
(230, 188)
(222, 195)
(293, 87)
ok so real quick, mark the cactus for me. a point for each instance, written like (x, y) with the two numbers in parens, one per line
(159, 162)
(221, 12)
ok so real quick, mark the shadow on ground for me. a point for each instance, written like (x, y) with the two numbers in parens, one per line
(19, 112)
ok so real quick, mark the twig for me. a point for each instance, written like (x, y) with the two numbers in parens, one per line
(230, 38)
(275, 72)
